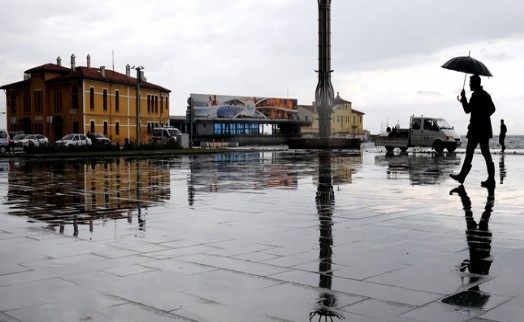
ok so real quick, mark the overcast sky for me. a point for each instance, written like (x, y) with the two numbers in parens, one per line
(386, 55)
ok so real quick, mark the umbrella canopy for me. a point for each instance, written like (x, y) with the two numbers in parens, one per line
(467, 64)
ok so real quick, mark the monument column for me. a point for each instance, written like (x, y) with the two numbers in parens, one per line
(324, 94)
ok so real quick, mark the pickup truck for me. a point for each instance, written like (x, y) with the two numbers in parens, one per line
(423, 131)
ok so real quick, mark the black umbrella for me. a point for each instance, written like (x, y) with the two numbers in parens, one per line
(468, 65)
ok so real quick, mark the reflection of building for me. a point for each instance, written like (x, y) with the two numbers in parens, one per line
(345, 120)
(55, 100)
(225, 172)
(79, 192)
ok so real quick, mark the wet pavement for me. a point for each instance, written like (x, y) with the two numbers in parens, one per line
(262, 236)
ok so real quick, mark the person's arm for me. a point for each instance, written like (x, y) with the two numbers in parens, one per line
(464, 101)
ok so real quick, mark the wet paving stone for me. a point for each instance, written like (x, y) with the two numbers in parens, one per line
(261, 236)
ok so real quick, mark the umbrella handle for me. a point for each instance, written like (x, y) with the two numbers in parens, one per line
(458, 98)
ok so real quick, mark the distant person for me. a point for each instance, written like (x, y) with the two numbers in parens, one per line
(502, 136)
(480, 107)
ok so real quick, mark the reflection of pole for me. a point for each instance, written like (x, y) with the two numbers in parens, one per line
(141, 220)
(190, 186)
(325, 201)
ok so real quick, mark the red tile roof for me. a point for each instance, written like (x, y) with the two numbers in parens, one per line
(25, 82)
(84, 73)
(110, 76)
(48, 68)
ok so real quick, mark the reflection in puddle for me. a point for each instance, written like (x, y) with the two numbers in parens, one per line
(80, 197)
(75, 193)
(479, 262)
(420, 168)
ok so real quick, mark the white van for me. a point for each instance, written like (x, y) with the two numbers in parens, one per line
(165, 135)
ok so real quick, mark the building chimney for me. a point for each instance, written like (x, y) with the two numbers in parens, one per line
(103, 71)
(88, 61)
(128, 70)
(59, 61)
(73, 63)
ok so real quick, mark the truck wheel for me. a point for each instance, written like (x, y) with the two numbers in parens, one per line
(390, 148)
(404, 148)
(451, 148)
(437, 145)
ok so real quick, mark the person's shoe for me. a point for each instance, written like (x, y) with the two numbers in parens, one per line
(458, 177)
(462, 175)
(490, 182)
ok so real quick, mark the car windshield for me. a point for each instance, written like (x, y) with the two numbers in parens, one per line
(30, 136)
(442, 124)
(19, 136)
(173, 132)
(68, 137)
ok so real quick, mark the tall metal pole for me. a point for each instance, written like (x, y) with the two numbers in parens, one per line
(138, 80)
(324, 94)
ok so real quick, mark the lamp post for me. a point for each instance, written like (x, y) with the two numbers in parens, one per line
(138, 80)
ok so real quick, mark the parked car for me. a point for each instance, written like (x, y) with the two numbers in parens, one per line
(97, 138)
(74, 139)
(166, 135)
(5, 143)
(17, 139)
(34, 139)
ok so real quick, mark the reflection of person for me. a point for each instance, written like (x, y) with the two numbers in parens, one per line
(502, 135)
(477, 234)
(480, 107)
(479, 239)
(502, 169)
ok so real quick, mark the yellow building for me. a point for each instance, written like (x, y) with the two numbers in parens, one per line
(55, 100)
(345, 120)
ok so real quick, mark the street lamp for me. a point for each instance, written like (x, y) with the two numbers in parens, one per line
(138, 80)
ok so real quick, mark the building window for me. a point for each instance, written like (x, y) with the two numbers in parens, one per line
(117, 128)
(27, 103)
(161, 104)
(38, 101)
(156, 104)
(57, 100)
(148, 103)
(105, 128)
(39, 128)
(307, 118)
(91, 98)
(117, 101)
(104, 93)
(13, 103)
(74, 98)
(92, 129)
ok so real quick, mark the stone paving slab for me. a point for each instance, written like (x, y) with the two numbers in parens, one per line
(395, 244)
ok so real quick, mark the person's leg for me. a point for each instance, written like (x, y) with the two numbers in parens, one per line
(466, 166)
(484, 148)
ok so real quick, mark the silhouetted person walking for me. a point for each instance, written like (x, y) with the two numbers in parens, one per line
(480, 107)
(502, 136)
